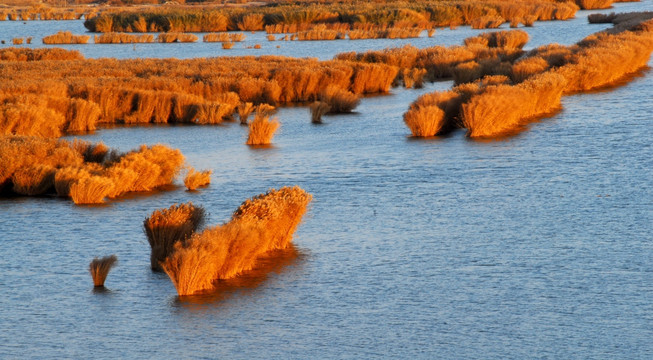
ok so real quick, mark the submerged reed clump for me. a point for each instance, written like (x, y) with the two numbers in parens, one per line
(260, 225)
(100, 268)
(339, 100)
(261, 130)
(166, 227)
(195, 179)
(173, 37)
(122, 38)
(318, 109)
(244, 109)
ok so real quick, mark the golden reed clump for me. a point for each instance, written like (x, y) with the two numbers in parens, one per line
(339, 100)
(122, 38)
(503, 109)
(166, 227)
(260, 225)
(318, 109)
(223, 37)
(195, 179)
(65, 37)
(100, 268)
(261, 130)
(87, 173)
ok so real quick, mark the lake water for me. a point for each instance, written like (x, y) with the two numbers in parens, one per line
(534, 246)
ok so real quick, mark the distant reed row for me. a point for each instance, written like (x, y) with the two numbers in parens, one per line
(399, 14)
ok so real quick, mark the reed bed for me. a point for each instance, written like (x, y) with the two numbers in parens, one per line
(195, 179)
(100, 268)
(40, 98)
(493, 50)
(65, 37)
(223, 37)
(174, 37)
(17, 41)
(122, 38)
(22, 54)
(166, 227)
(261, 130)
(496, 107)
(290, 18)
(262, 224)
(86, 173)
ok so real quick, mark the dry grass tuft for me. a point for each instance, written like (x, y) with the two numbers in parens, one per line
(260, 225)
(91, 190)
(166, 227)
(261, 130)
(503, 109)
(318, 109)
(339, 100)
(223, 37)
(425, 121)
(122, 38)
(195, 179)
(100, 268)
(65, 37)
(176, 37)
(244, 109)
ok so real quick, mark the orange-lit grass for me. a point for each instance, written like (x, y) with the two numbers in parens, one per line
(223, 37)
(260, 225)
(176, 37)
(91, 190)
(261, 130)
(339, 100)
(487, 22)
(65, 37)
(227, 45)
(86, 173)
(425, 121)
(244, 109)
(17, 41)
(318, 109)
(100, 268)
(33, 180)
(122, 38)
(166, 227)
(195, 179)
(502, 109)
(594, 4)
(23, 54)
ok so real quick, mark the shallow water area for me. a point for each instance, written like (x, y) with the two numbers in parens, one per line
(535, 245)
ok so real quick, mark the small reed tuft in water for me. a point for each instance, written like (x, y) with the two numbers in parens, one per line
(100, 268)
